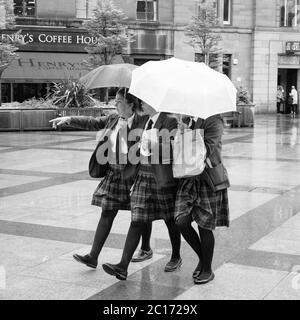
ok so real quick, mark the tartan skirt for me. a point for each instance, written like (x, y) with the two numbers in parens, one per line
(148, 201)
(208, 209)
(113, 192)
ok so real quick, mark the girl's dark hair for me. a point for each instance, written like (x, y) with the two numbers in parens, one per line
(130, 99)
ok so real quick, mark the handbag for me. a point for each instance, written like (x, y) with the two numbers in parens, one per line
(216, 177)
(97, 170)
(189, 153)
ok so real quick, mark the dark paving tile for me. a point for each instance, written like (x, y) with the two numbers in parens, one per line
(277, 159)
(26, 187)
(267, 260)
(237, 139)
(77, 175)
(133, 290)
(47, 144)
(57, 233)
(46, 232)
(70, 149)
(12, 148)
(258, 189)
(269, 190)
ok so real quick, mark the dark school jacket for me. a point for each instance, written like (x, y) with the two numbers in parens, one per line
(108, 123)
(213, 131)
(163, 171)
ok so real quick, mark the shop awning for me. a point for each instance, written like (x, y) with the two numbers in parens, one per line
(45, 67)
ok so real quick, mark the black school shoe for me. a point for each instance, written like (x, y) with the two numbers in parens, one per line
(115, 270)
(204, 277)
(87, 260)
(173, 265)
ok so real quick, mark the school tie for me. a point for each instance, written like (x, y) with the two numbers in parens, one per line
(121, 139)
(150, 124)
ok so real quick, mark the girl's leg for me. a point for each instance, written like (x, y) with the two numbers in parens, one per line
(207, 249)
(190, 235)
(132, 240)
(102, 232)
(174, 234)
(146, 235)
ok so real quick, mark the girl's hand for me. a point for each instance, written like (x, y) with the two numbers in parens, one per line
(59, 121)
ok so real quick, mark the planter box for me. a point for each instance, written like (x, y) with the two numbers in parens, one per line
(232, 119)
(10, 120)
(26, 119)
(38, 119)
(247, 114)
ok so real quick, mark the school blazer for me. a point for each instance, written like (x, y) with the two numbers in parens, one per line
(213, 131)
(106, 123)
(163, 172)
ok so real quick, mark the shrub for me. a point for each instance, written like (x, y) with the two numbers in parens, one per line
(71, 94)
(30, 104)
(242, 96)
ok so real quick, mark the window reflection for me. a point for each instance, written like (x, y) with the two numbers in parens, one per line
(289, 13)
(24, 7)
(146, 10)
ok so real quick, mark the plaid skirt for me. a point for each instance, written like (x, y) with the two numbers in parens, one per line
(209, 209)
(113, 192)
(148, 201)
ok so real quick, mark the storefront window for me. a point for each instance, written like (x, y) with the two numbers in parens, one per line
(26, 91)
(24, 7)
(289, 13)
(6, 96)
(146, 10)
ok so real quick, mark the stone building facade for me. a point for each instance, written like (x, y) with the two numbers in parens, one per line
(260, 38)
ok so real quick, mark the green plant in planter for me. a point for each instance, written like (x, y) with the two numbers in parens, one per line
(243, 96)
(32, 103)
(71, 94)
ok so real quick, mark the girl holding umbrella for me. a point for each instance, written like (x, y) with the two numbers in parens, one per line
(185, 87)
(113, 192)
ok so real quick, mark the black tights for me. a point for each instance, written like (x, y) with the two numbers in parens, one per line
(203, 244)
(103, 230)
(134, 234)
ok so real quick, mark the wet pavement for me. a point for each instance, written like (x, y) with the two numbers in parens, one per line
(46, 216)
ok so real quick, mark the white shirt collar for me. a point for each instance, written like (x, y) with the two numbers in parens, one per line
(129, 121)
(154, 119)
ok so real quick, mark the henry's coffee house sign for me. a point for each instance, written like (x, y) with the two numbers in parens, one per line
(64, 41)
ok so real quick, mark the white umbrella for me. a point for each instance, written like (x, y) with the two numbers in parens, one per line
(183, 87)
(112, 75)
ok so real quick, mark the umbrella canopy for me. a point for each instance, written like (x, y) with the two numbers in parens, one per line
(112, 75)
(183, 87)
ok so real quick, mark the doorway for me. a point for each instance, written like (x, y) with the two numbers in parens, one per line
(287, 78)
